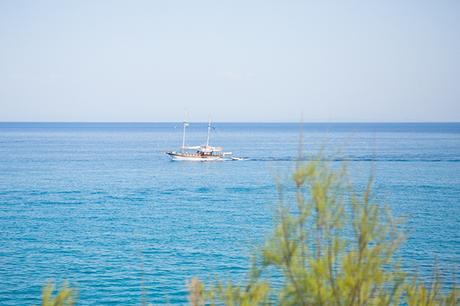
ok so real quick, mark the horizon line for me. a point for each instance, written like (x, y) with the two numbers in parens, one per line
(251, 122)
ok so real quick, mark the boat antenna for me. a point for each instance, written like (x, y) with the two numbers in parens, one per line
(209, 131)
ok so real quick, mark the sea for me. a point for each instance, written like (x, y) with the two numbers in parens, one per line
(101, 206)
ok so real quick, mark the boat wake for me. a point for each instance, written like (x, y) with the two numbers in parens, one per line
(350, 159)
(233, 158)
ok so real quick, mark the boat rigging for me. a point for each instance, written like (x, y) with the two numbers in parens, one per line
(198, 153)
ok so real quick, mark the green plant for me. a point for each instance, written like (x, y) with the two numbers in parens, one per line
(334, 247)
(64, 297)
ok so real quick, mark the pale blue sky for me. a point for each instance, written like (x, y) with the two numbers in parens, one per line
(234, 60)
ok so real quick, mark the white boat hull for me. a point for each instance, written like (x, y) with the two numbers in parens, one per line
(193, 157)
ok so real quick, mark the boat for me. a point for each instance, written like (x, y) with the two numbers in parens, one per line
(198, 153)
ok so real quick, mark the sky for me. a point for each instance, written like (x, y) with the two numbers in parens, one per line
(233, 61)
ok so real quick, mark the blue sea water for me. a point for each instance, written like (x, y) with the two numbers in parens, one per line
(100, 204)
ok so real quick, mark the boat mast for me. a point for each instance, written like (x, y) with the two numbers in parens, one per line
(183, 135)
(209, 131)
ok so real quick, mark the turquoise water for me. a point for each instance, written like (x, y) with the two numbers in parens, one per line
(101, 205)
